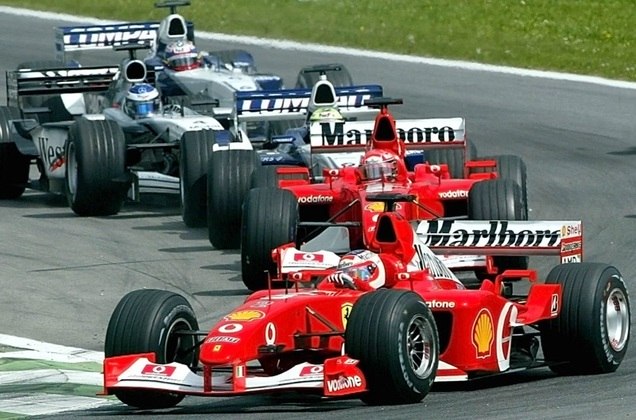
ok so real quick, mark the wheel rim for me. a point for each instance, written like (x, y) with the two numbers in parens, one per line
(180, 348)
(617, 319)
(421, 347)
(72, 170)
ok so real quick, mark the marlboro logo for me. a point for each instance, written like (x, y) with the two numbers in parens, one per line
(494, 233)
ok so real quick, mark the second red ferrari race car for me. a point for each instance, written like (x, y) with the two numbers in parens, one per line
(382, 324)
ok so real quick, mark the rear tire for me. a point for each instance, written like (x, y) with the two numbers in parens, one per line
(14, 166)
(454, 158)
(498, 199)
(260, 234)
(266, 176)
(591, 333)
(146, 321)
(96, 179)
(510, 167)
(196, 149)
(394, 336)
(229, 173)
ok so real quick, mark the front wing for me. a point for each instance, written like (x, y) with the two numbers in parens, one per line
(337, 377)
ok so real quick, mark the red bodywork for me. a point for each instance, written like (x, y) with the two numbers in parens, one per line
(294, 339)
(344, 196)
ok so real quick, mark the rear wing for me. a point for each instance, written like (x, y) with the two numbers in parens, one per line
(69, 39)
(352, 136)
(504, 237)
(58, 81)
(291, 104)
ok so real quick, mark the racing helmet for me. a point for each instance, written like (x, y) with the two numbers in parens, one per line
(378, 165)
(326, 114)
(142, 100)
(364, 267)
(182, 55)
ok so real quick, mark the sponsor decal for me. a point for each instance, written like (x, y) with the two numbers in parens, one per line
(287, 105)
(158, 370)
(455, 194)
(270, 334)
(571, 259)
(429, 261)
(239, 371)
(334, 134)
(375, 206)
(451, 233)
(111, 36)
(507, 317)
(315, 199)
(51, 154)
(244, 315)
(571, 246)
(483, 334)
(230, 328)
(308, 256)
(261, 303)
(554, 305)
(311, 370)
(571, 230)
(344, 382)
(222, 339)
(440, 304)
(217, 347)
(345, 311)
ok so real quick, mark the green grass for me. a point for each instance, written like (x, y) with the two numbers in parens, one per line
(595, 37)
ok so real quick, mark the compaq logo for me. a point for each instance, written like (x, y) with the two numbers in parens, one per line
(285, 105)
(333, 134)
(445, 233)
(110, 38)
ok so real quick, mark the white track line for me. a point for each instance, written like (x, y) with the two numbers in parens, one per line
(297, 46)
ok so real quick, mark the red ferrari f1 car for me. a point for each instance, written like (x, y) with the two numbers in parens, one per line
(382, 324)
(487, 190)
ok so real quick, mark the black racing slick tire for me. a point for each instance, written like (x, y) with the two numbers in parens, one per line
(229, 173)
(498, 199)
(339, 76)
(96, 178)
(150, 321)
(394, 336)
(591, 333)
(509, 167)
(14, 166)
(270, 219)
(195, 149)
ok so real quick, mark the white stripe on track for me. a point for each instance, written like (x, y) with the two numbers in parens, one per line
(292, 45)
(41, 350)
(45, 404)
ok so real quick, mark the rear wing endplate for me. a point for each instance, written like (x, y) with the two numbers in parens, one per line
(504, 237)
(287, 104)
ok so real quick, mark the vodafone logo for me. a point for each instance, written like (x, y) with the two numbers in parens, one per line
(158, 370)
(440, 304)
(305, 256)
(315, 199)
(454, 194)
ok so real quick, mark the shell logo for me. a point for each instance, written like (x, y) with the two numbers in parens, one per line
(376, 206)
(483, 334)
(345, 310)
(246, 315)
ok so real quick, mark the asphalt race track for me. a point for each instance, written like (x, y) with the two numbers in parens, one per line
(61, 275)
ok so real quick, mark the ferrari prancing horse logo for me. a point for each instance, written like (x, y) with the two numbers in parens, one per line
(345, 310)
